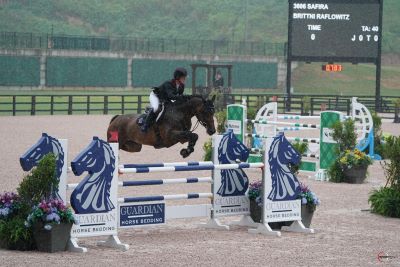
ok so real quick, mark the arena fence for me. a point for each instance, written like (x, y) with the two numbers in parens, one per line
(12, 105)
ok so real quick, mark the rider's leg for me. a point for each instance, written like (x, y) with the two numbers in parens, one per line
(150, 118)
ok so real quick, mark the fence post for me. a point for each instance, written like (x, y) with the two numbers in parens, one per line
(70, 105)
(51, 105)
(139, 108)
(105, 111)
(33, 105)
(123, 105)
(14, 105)
(312, 106)
(88, 104)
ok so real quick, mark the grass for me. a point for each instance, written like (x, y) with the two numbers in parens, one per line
(353, 80)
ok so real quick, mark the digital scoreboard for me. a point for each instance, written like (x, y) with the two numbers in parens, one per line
(334, 30)
(332, 68)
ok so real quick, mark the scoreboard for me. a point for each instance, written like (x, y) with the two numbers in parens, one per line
(334, 30)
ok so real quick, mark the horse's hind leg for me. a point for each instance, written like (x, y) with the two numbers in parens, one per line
(130, 146)
(183, 137)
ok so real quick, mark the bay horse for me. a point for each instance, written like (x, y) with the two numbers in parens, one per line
(173, 127)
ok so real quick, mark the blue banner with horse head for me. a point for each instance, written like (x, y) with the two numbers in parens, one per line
(281, 187)
(92, 195)
(230, 185)
(45, 145)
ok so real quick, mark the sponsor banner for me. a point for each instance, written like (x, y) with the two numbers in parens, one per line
(141, 214)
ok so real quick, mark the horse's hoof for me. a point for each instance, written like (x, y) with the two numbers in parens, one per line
(185, 153)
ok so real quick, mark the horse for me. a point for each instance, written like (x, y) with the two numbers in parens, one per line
(92, 195)
(285, 185)
(173, 127)
(234, 182)
(45, 145)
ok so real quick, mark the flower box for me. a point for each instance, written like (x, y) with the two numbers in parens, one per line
(355, 174)
(54, 239)
(307, 212)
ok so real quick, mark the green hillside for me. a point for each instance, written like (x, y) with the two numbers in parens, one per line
(184, 19)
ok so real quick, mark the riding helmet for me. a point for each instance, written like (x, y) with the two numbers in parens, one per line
(180, 72)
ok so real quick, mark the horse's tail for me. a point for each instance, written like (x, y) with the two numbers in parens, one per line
(113, 118)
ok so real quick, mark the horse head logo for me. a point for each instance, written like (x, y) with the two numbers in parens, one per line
(44, 146)
(285, 185)
(231, 150)
(92, 195)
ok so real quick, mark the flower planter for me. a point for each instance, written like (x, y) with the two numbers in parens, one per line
(355, 175)
(52, 240)
(307, 212)
(255, 211)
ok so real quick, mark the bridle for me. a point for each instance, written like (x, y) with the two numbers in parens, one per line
(206, 109)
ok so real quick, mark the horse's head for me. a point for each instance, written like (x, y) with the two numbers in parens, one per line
(44, 146)
(92, 158)
(287, 155)
(285, 185)
(205, 114)
(232, 150)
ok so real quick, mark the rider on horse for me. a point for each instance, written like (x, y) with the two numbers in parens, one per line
(169, 90)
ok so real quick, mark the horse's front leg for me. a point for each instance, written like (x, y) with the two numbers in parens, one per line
(183, 137)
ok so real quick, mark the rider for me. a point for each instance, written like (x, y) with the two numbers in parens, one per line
(169, 90)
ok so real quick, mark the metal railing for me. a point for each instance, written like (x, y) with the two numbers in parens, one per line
(17, 40)
(120, 104)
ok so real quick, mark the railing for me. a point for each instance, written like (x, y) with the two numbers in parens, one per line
(72, 104)
(16, 40)
(120, 104)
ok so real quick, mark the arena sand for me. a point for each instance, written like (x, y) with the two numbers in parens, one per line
(345, 235)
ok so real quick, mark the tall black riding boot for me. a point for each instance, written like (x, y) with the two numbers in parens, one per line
(150, 118)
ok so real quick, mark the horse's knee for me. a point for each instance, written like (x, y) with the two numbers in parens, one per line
(130, 147)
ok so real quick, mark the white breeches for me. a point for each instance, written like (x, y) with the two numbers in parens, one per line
(154, 101)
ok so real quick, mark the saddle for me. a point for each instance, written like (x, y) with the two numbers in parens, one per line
(142, 118)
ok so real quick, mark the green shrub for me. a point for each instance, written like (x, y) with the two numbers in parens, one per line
(301, 148)
(40, 182)
(392, 167)
(378, 145)
(14, 232)
(207, 147)
(221, 121)
(335, 173)
(344, 134)
(386, 202)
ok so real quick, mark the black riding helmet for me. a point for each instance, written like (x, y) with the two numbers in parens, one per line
(180, 72)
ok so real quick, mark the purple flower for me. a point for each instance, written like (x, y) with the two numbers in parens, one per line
(303, 201)
(53, 217)
(4, 212)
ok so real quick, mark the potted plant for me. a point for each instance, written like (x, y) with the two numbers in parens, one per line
(254, 195)
(309, 202)
(354, 165)
(306, 106)
(51, 222)
(13, 233)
